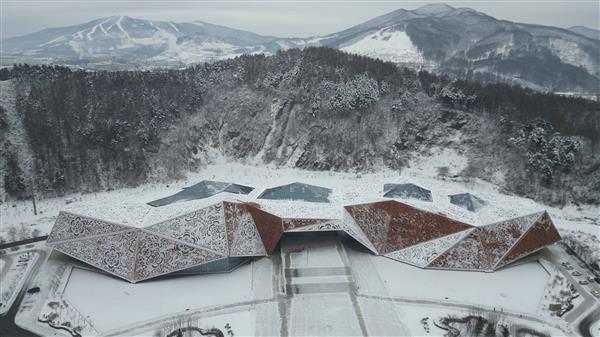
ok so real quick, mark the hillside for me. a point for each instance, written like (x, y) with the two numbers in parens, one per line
(467, 44)
(318, 109)
(459, 42)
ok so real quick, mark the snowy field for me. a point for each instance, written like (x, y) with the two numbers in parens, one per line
(109, 302)
(518, 288)
(348, 188)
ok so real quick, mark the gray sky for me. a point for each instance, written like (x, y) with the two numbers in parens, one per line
(298, 18)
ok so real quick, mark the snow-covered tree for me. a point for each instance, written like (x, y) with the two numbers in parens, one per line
(355, 95)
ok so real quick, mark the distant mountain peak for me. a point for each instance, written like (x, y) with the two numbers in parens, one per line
(434, 9)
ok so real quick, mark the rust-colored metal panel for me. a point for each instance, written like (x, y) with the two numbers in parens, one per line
(485, 246)
(270, 227)
(392, 225)
(467, 254)
(542, 233)
(373, 219)
(413, 226)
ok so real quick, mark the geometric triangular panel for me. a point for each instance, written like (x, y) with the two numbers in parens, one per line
(423, 253)
(242, 235)
(269, 226)
(373, 221)
(69, 226)
(539, 235)
(485, 246)
(203, 228)
(158, 255)
(114, 253)
(411, 226)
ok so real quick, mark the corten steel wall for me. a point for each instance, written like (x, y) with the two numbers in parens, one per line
(269, 226)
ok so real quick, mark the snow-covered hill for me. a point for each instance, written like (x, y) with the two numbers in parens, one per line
(460, 42)
(465, 43)
(386, 44)
(123, 39)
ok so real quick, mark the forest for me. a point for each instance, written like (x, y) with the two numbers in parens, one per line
(316, 108)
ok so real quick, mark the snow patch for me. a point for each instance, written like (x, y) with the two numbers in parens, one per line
(570, 53)
(387, 45)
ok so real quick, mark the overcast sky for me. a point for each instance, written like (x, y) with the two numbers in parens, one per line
(299, 18)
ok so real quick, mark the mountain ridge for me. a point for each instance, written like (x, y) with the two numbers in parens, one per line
(459, 42)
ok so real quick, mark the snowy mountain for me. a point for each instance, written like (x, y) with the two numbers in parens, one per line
(122, 39)
(459, 42)
(465, 43)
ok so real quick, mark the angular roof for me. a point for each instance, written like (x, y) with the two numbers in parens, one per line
(226, 229)
(203, 189)
(430, 240)
(406, 191)
(467, 200)
(391, 225)
(297, 191)
(234, 229)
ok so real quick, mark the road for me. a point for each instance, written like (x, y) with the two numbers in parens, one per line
(585, 326)
(8, 328)
(556, 255)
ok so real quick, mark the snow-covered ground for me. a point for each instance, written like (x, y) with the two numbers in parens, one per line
(109, 302)
(348, 188)
(506, 288)
(338, 289)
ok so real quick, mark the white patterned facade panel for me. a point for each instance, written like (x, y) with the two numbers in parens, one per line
(114, 253)
(203, 228)
(422, 254)
(522, 223)
(69, 226)
(158, 256)
(320, 227)
(244, 239)
(357, 233)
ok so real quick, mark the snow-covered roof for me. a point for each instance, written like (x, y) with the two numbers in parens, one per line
(467, 200)
(406, 191)
(202, 190)
(297, 191)
(187, 234)
(222, 230)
